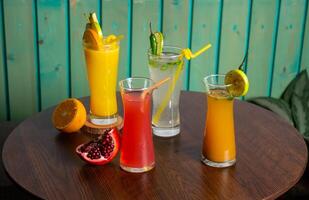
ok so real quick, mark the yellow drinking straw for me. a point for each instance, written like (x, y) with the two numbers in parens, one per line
(188, 55)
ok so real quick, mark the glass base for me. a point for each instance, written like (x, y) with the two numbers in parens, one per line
(137, 170)
(98, 120)
(166, 132)
(218, 164)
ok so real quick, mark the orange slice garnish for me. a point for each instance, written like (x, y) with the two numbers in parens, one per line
(92, 39)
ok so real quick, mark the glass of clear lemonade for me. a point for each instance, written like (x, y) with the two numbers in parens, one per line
(165, 115)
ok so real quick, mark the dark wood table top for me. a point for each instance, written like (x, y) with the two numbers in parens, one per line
(271, 158)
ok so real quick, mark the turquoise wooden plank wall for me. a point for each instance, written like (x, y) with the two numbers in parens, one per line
(42, 60)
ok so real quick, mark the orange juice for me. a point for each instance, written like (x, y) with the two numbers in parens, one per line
(219, 138)
(102, 69)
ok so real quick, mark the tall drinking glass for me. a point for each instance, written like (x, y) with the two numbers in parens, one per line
(102, 70)
(219, 140)
(137, 152)
(166, 117)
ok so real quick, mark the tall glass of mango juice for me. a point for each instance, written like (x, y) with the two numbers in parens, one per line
(219, 148)
(102, 70)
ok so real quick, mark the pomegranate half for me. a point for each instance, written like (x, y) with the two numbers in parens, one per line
(101, 150)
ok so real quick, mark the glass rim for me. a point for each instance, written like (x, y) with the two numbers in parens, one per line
(178, 49)
(104, 45)
(207, 82)
(121, 85)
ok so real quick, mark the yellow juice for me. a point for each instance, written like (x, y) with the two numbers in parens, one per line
(102, 69)
(219, 138)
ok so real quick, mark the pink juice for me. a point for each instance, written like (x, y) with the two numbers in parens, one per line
(137, 145)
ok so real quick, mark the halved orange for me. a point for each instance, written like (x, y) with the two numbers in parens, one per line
(69, 116)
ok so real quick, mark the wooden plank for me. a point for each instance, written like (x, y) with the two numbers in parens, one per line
(175, 22)
(305, 53)
(78, 18)
(260, 47)
(3, 84)
(115, 21)
(233, 34)
(288, 45)
(22, 66)
(143, 13)
(176, 26)
(205, 24)
(54, 65)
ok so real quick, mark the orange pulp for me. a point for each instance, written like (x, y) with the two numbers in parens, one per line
(219, 138)
(102, 69)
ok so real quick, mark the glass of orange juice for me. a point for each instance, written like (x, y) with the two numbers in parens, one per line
(102, 70)
(219, 148)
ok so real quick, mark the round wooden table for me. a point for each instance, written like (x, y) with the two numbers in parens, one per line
(271, 158)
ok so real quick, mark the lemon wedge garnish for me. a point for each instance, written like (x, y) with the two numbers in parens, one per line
(238, 82)
(94, 24)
